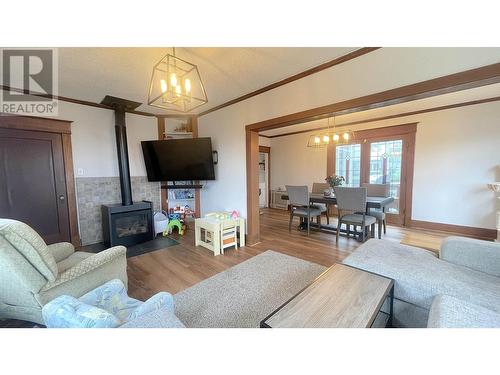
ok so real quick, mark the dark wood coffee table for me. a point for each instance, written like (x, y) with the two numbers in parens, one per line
(341, 297)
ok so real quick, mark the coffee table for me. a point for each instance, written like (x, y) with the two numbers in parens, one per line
(341, 297)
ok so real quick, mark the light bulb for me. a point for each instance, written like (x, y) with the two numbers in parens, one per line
(187, 86)
(346, 136)
(326, 139)
(163, 85)
(173, 80)
(317, 140)
(178, 90)
(336, 137)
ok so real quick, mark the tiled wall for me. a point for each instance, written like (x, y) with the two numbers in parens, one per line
(92, 192)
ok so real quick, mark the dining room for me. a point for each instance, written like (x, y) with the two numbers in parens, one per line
(408, 152)
(323, 174)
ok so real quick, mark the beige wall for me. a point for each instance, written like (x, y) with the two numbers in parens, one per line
(457, 153)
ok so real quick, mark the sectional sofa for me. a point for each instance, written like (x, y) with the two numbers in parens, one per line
(460, 288)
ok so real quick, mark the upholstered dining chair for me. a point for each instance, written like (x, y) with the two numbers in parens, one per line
(378, 190)
(33, 273)
(299, 206)
(353, 200)
(319, 188)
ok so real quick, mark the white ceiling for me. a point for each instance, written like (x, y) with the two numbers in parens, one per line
(436, 101)
(91, 73)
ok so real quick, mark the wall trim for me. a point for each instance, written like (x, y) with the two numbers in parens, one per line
(86, 102)
(480, 233)
(389, 117)
(295, 77)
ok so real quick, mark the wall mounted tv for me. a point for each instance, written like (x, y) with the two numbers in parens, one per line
(179, 159)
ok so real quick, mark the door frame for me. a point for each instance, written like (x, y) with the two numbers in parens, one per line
(267, 150)
(455, 82)
(407, 133)
(62, 128)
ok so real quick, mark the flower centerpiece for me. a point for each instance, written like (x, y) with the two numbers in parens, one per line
(335, 180)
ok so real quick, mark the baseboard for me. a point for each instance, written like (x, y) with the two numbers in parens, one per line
(481, 233)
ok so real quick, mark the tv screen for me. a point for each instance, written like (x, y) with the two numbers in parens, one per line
(179, 159)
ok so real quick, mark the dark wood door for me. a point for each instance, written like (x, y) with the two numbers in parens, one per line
(33, 182)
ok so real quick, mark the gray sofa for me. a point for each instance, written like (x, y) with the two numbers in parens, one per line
(461, 288)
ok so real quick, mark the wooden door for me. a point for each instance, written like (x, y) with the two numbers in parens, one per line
(33, 182)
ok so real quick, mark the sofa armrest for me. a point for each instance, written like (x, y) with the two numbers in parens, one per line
(69, 312)
(61, 250)
(161, 300)
(479, 255)
(91, 272)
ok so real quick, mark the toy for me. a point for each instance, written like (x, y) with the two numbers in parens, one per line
(174, 222)
(234, 215)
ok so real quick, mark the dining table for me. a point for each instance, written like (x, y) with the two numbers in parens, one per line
(371, 202)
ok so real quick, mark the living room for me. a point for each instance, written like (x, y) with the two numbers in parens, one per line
(179, 185)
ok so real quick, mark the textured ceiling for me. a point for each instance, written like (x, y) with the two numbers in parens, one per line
(91, 73)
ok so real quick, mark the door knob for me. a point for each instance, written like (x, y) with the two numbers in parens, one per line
(62, 197)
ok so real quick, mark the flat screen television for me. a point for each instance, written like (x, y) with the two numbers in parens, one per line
(179, 159)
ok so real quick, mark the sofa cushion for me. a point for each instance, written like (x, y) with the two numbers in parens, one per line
(29, 243)
(451, 312)
(419, 276)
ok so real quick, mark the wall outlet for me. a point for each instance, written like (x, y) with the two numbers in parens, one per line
(79, 172)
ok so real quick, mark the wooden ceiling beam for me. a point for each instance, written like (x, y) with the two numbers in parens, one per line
(478, 77)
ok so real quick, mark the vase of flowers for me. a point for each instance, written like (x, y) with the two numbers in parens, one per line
(334, 180)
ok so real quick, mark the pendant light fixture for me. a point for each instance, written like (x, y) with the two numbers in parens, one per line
(176, 85)
(330, 136)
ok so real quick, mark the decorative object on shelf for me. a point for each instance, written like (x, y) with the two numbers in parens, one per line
(495, 186)
(176, 85)
(330, 136)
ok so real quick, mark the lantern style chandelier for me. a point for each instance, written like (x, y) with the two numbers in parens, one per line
(331, 135)
(176, 85)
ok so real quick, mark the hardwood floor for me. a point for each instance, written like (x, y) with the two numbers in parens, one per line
(181, 266)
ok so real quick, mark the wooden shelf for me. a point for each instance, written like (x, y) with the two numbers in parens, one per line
(179, 133)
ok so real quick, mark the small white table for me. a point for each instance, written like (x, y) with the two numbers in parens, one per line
(215, 230)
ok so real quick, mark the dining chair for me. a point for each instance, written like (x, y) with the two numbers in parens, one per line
(299, 206)
(353, 199)
(319, 188)
(378, 190)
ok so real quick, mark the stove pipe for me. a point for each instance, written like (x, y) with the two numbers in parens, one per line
(121, 106)
(122, 149)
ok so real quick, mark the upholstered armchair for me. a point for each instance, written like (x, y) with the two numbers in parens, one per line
(32, 273)
(109, 306)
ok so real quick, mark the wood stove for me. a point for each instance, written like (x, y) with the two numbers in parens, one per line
(128, 223)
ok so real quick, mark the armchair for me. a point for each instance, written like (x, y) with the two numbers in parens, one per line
(32, 273)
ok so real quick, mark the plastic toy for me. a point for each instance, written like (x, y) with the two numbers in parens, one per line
(234, 215)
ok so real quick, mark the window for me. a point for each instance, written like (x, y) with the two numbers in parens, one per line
(348, 163)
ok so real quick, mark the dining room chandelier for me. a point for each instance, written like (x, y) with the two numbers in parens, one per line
(330, 135)
(176, 85)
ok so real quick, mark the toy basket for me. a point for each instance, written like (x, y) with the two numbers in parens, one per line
(161, 221)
